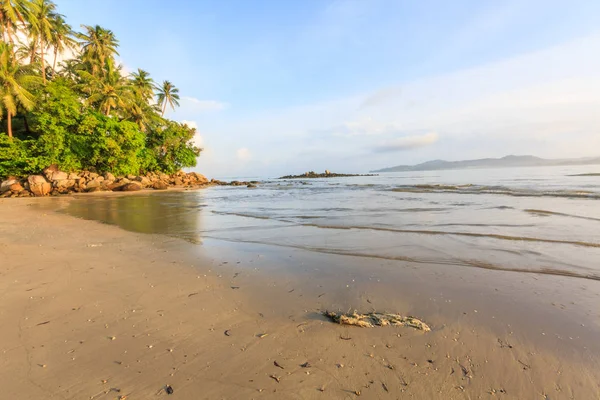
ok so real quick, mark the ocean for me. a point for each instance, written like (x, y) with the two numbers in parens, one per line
(526, 220)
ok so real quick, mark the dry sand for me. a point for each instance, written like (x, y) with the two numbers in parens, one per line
(90, 311)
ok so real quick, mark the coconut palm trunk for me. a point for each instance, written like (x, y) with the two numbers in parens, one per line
(43, 62)
(54, 62)
(9, 124)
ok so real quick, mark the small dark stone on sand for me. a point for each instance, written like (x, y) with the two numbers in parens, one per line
(169, 389)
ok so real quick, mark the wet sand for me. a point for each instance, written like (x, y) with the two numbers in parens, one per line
(91, 311)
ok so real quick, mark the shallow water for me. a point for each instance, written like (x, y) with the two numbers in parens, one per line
(523, 220)
(443, 250)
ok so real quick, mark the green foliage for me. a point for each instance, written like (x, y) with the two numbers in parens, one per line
(18, 157)
(85, 114)
(172, 147)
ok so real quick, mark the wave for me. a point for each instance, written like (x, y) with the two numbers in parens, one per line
(469, 234)
(546, 213)
(450, 262)
(424, 231)
(497, 190)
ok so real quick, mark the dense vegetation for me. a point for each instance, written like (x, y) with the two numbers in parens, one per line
(83, 112)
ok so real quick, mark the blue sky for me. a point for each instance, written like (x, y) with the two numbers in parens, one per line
(286, 86)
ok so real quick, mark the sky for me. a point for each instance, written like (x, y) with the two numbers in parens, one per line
(277, 87)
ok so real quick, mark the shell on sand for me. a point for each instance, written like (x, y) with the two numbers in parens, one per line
(373, 319)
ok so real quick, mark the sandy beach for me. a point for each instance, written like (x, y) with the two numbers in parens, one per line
(92, 311)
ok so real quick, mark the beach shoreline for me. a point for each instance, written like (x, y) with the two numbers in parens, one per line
(92, 311)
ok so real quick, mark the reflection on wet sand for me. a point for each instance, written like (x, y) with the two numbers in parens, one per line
(173, 214)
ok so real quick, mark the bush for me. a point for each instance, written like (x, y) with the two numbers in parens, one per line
(18, 157)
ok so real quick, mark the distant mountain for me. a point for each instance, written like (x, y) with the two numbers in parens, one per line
(504, 162)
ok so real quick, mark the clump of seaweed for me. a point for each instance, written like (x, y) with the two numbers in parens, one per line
(373, 319)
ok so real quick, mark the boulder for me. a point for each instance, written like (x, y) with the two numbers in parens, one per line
(109, 177)
(5, 185)
(199, 177)
(132, 187)
(94, 183)
(114, 186)
(64, 184)
(49, 171)
(73, 176)
(58, 176)
(143, 180)
(16, 188)
(92, 175)
(160, 186)
(131, 177)
(251, 185)
(93, 189)
(177, 181)
(38, 185)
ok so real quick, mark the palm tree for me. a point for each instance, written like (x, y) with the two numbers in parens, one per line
(62, 38)
(13, 13)
(167, 94)
(98, 45)
(142, 113)
(27, 51)
(70, 69)
(142, 85)
(13, 82)
(107, 92)
(41, 27)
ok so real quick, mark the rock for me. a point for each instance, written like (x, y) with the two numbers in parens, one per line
(5, 185)
(93, 189)
(131, 177)
(109, 177)
(177, 181)
(114, 186)
(73, 176)
(143, 180)
(49, 171)
(38, 185)
(160, 186)
(251, 185)
(16, 188)
(64, 184)
(124, 181)
(93, 184)
(59, 176)
(132, 187)
(92, 175)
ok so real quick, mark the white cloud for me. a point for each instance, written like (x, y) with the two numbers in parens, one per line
(193, 104)
(243, 154)
(407, 143)
(543, 103)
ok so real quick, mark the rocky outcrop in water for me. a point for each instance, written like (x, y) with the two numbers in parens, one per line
(326, 174)
(55, 182)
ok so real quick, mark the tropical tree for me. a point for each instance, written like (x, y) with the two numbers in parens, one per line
(98, 45)
(13, 13)
(142, 84)
(62, 38)
(167, 94)
(27, 51)
(69, 69)
(13, 86)
(107, 92)
(41, 27)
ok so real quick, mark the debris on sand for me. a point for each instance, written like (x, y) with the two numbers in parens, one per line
(373, 319)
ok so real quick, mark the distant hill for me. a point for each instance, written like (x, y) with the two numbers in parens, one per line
(504, 162)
